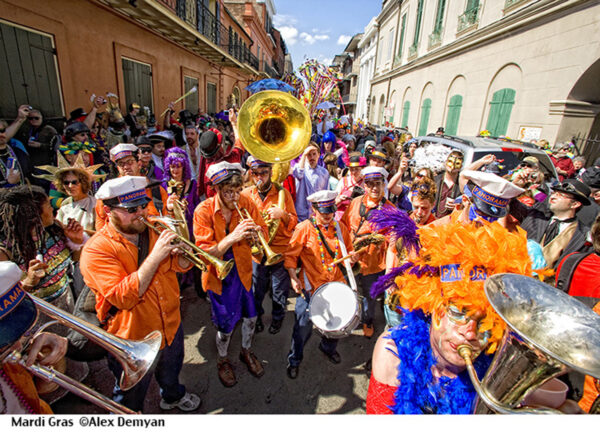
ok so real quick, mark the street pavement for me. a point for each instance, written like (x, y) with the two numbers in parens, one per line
(321, 387)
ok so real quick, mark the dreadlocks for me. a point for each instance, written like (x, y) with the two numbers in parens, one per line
(20, 221)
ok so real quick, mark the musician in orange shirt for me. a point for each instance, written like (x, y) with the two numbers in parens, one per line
(132, 271)
(372, 258)
(266, 196)
(220, 230)
(316, 244)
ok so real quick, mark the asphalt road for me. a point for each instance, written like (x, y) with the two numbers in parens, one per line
(321, 387)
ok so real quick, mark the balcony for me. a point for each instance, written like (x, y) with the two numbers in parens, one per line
(468, 20)
(271, 71)
(435, 38)
(413, 51)
(189, 24)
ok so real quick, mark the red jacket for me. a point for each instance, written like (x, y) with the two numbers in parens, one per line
(565, 164)
(586, 277)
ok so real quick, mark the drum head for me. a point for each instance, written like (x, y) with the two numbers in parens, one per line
(332, 306)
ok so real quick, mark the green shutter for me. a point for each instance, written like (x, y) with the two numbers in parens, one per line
(402, 29)
(439, 16)
(418, 23)
(425, 110)
(500, 110)
(472, 5)
(405, 112)
(454, 108)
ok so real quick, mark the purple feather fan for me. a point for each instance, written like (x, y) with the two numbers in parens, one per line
(396, 223)
(387, 280)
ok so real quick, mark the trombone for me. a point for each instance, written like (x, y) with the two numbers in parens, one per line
(135, 357)
(159, 224)
(263, 244)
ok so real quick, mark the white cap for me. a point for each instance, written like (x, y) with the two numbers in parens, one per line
(324, 200)
(371, 172)
(370, 143)
(222, 171)
(127, 191)
(491, 193)
(122, 150)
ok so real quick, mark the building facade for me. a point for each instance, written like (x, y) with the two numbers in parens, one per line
(527, 69)
(58, 54)
(366, 52)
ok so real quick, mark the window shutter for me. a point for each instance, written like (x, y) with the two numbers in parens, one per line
(454, 108)
(402, 30)
(500, 110)
(418, 23)
(405, 112)
(439, 17)
(425, 110)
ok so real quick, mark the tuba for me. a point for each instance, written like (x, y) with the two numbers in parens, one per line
(135, 357)
(274, 126)
(549, 332)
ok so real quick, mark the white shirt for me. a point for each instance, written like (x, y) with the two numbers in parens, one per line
(83, 211)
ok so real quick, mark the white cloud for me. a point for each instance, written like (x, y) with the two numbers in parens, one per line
(290, 34)
(312, 38)
(281, 20)
(343, 40)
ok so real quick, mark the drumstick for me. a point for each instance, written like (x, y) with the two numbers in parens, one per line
(339, 260)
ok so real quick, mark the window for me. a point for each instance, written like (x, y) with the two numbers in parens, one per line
(211, 98)
(391, 45)
(454, 108)
(439, 16)
(470, 16)
(191, 101)
(401, 42)
(418, 23)
(405, 112)
(425, 110)
(137, 78)
(29, 72)
(500, 109)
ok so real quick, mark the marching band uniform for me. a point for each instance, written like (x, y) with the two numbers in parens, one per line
(109, 264)
(230, 298)
(315, 263)
(275, 276)
(372, 260)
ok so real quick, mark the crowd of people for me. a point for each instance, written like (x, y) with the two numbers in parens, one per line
(83, 216)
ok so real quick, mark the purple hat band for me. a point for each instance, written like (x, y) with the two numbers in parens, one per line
(132, 196)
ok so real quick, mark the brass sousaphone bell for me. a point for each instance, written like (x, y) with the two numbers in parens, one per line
(274, 126)
(549, 333)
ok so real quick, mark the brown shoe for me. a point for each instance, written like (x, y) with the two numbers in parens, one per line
(226, 374)
(252, 362)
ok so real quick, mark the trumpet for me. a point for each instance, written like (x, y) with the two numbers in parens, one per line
(273, 224)
(263, 244)
(135, 357)
(159, 224)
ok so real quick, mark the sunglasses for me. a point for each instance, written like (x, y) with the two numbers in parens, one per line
(460, 318)
(2, 130)
(34, 118)
(71, 182)
(566, 187)
(132, 210)
(146, 149)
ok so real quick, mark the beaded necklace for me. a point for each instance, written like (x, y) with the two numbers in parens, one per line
(337, 245)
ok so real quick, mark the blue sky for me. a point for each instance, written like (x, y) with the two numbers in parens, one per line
(321, 28)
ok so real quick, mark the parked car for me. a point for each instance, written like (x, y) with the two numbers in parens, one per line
(509, 153)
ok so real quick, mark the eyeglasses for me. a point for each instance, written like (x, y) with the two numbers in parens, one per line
(420, 175)
(70, 182)
(34, 118)
(132, 210)
(146, 149)
(460, 318)
(527, 165)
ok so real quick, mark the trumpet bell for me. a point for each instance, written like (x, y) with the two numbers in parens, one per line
(274, 126)
(549, 333)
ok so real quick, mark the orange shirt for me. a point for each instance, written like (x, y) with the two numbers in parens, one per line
(372, 260)
(102, 218)
(23, 380)
(590, 391)
(304, 245)
(109, 264)
(210, 229)
(283, 235)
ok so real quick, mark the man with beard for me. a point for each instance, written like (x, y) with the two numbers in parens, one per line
(192, 148)
(132, 271)
(267, 196)
(372, 258)
(447, 185)
(126, 159)
(221, 231)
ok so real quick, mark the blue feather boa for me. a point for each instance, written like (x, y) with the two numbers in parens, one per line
(419, 392)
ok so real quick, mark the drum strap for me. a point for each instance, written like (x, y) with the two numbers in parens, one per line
(364, 215)
(329, 251)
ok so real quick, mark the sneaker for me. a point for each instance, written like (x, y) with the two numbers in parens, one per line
(275, 326)
(368, 330)
(189, 402)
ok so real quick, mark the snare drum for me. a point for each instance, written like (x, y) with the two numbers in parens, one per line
(334, 310)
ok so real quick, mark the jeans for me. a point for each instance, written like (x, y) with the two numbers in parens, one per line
(364, 286)
(166, 368)
(302, 332)
(392, 318)
(265, 277)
